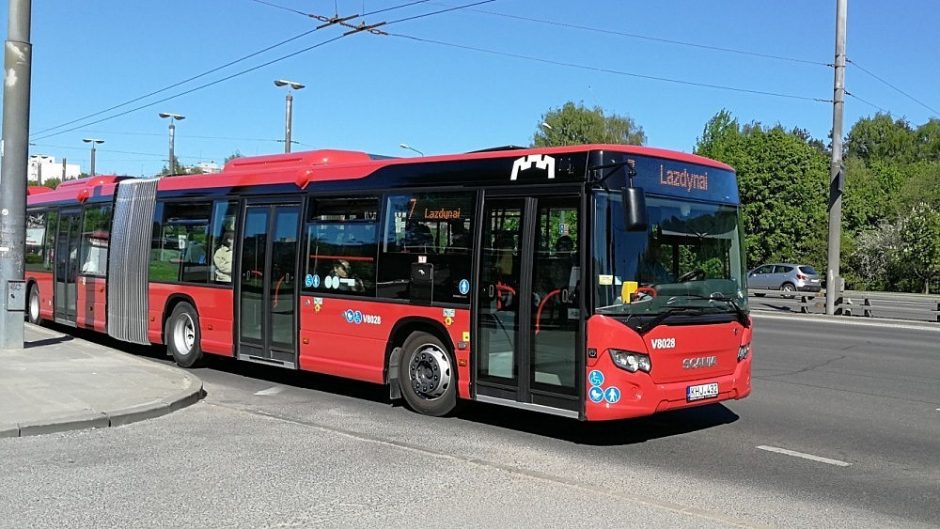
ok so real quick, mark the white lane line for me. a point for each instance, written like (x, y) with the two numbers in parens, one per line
(811, 457)
(274, 390)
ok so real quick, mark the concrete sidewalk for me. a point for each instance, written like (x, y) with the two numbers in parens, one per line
(59, 382)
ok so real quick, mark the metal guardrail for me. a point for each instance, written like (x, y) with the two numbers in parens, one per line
(893, 305)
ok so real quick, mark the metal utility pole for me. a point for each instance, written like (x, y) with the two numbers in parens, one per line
(288, 113)
(93, 142)
(836, 171)
(14, 150)
(173, 117)
(64, 171)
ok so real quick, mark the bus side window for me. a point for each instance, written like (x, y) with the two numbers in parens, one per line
(222, 237)
(434, 228)
(96, 236)
(35, 240)
(178, 250)
(341, 246)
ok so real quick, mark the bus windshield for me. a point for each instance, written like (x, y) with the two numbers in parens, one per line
(690, 259)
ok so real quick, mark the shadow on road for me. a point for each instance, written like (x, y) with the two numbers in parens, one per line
(606, 433)
(27, 344)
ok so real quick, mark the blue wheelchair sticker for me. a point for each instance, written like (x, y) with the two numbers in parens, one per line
(308, 281)
(596, 378)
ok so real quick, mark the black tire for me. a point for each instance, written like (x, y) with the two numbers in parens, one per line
(33, 314)
(182, 336)
(427, 375)
(759, 294)
(788, 290)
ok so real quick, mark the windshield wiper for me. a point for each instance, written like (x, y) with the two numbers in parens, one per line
(738, 310)
(663, 316)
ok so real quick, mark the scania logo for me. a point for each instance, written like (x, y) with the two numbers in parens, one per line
(700, 361)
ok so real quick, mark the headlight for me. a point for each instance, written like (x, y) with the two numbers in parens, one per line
(744, 351)
(631, 361)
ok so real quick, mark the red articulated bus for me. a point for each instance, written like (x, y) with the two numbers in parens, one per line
(594, 282)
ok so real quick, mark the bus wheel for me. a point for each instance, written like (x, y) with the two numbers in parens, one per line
(426, 375)
(33, 313)
(182, 336)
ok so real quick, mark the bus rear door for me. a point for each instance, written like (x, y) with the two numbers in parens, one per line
(267, 287)
(66, 266)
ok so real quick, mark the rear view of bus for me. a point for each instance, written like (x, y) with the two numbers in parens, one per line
(668, 326)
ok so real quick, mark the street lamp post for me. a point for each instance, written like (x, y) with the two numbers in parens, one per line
(410, 148)
(93, 142)
(288, 113)
(38, 159)
(173, 117)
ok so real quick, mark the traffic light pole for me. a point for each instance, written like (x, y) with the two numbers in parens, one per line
(14, 149)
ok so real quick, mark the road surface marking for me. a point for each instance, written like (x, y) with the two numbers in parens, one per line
(274, 390)
(811, 457)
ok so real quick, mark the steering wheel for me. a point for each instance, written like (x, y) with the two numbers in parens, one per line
(693, 275)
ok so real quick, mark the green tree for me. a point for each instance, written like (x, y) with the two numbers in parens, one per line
(47, 182)
(782, 180)
(180, 169)
(880, 138)
(576, 124)
(232, 156)
(920, 245)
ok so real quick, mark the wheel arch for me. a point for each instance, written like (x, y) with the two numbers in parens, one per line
(170, 305)
(405, 327)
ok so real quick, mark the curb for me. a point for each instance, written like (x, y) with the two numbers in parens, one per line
(121, 417)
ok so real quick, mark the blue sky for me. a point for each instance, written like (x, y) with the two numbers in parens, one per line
(371, 93)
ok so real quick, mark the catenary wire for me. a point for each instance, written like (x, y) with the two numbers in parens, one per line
(653, 39)
(610, 70)
(211, 71)
(895, 88)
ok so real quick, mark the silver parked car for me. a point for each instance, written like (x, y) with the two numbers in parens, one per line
(787, 277)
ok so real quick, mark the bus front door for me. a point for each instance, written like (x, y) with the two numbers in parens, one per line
(66, 267)
(267, 296)
(528, 326)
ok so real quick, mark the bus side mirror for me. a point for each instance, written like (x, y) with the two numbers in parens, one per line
(634, 209)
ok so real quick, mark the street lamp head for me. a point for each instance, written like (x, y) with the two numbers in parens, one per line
(92, 140)
(547, 126)
(172, 116)
(293, 84)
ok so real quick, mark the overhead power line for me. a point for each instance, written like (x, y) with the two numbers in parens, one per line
(895, 88)
(652, 38)
(212, 70)
(869, 103)
(610, 70)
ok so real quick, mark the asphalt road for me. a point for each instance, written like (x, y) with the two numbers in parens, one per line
(842, 430)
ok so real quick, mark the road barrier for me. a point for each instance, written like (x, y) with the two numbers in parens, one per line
(853, 303)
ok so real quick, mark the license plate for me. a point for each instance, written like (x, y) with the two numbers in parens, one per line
(702, 391)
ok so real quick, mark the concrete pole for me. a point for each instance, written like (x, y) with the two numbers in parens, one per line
(172, 164)
(287, 121)
(92, 158)
(836, 170)
(64, 172)
(14, 150)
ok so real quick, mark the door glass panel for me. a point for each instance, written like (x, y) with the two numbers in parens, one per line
(500, 281)
(283, 276)
(555, 281)
(254, 243)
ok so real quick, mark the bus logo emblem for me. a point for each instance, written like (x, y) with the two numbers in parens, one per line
(538, 161)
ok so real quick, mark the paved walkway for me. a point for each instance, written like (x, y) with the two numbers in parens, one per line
(59, 382)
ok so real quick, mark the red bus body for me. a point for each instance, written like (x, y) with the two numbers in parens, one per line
(555, 354)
